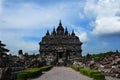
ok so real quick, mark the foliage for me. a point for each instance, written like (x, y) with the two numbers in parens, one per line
(96, 75)
(2, 49)
(22, 76)
(31, 55)
(46, 68)
(75, 67)
(32, 73)
(104, 54)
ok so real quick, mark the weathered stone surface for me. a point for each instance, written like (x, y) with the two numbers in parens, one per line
(5, 73)
(109, 65)
(60, 44)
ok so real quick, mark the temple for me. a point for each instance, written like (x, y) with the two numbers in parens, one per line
(60, 46)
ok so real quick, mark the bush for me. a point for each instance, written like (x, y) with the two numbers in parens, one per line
(92, 72)
(32, 73)
(46, 68)
(75, 67)
(22, 76)
(82, 71)
(96, 75)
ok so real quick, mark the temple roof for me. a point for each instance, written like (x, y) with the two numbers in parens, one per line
(60, 27)
(73, 34)
(47, 32)
(54, 32)
(66, 31)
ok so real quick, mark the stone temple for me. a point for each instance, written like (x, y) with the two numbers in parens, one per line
(60, 46)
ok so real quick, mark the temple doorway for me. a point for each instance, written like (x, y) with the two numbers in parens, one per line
(60, 55)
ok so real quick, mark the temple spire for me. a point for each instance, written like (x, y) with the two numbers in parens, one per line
(54, 32)
(60, 29)
(47, 33)
(66, 31)
(73, 34)
(60, 24)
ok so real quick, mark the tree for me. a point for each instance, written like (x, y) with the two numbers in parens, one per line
(26, 55)
(3, 50)
(117, 51)
(3, 55)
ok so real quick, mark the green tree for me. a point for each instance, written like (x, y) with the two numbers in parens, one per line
(26, 55)
(117, 51)
(3, 55)
(3, 50)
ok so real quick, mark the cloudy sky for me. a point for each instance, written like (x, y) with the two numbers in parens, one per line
(24, 22)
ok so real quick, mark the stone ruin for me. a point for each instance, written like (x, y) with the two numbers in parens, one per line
(109, 65)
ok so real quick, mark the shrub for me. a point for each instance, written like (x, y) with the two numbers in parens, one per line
(96, 75)
(93, 74)
(32, 73)
(82, 71)
(46, 68)
(22, 76)
(75, 67)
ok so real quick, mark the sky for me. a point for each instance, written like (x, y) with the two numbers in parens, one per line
(23, 23)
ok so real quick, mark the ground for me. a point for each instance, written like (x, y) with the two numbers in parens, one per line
(62, 73)
(65, 73)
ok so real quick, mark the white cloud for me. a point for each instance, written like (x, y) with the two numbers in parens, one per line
(81, 16)
(104, 11)
(14, 42)
(107, 25)
(83, 37)
(24, 17)
(81, 33)
(29, 15)
(90, 8)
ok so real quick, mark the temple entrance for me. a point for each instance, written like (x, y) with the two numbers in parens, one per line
(60, 59)
(60, 55)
